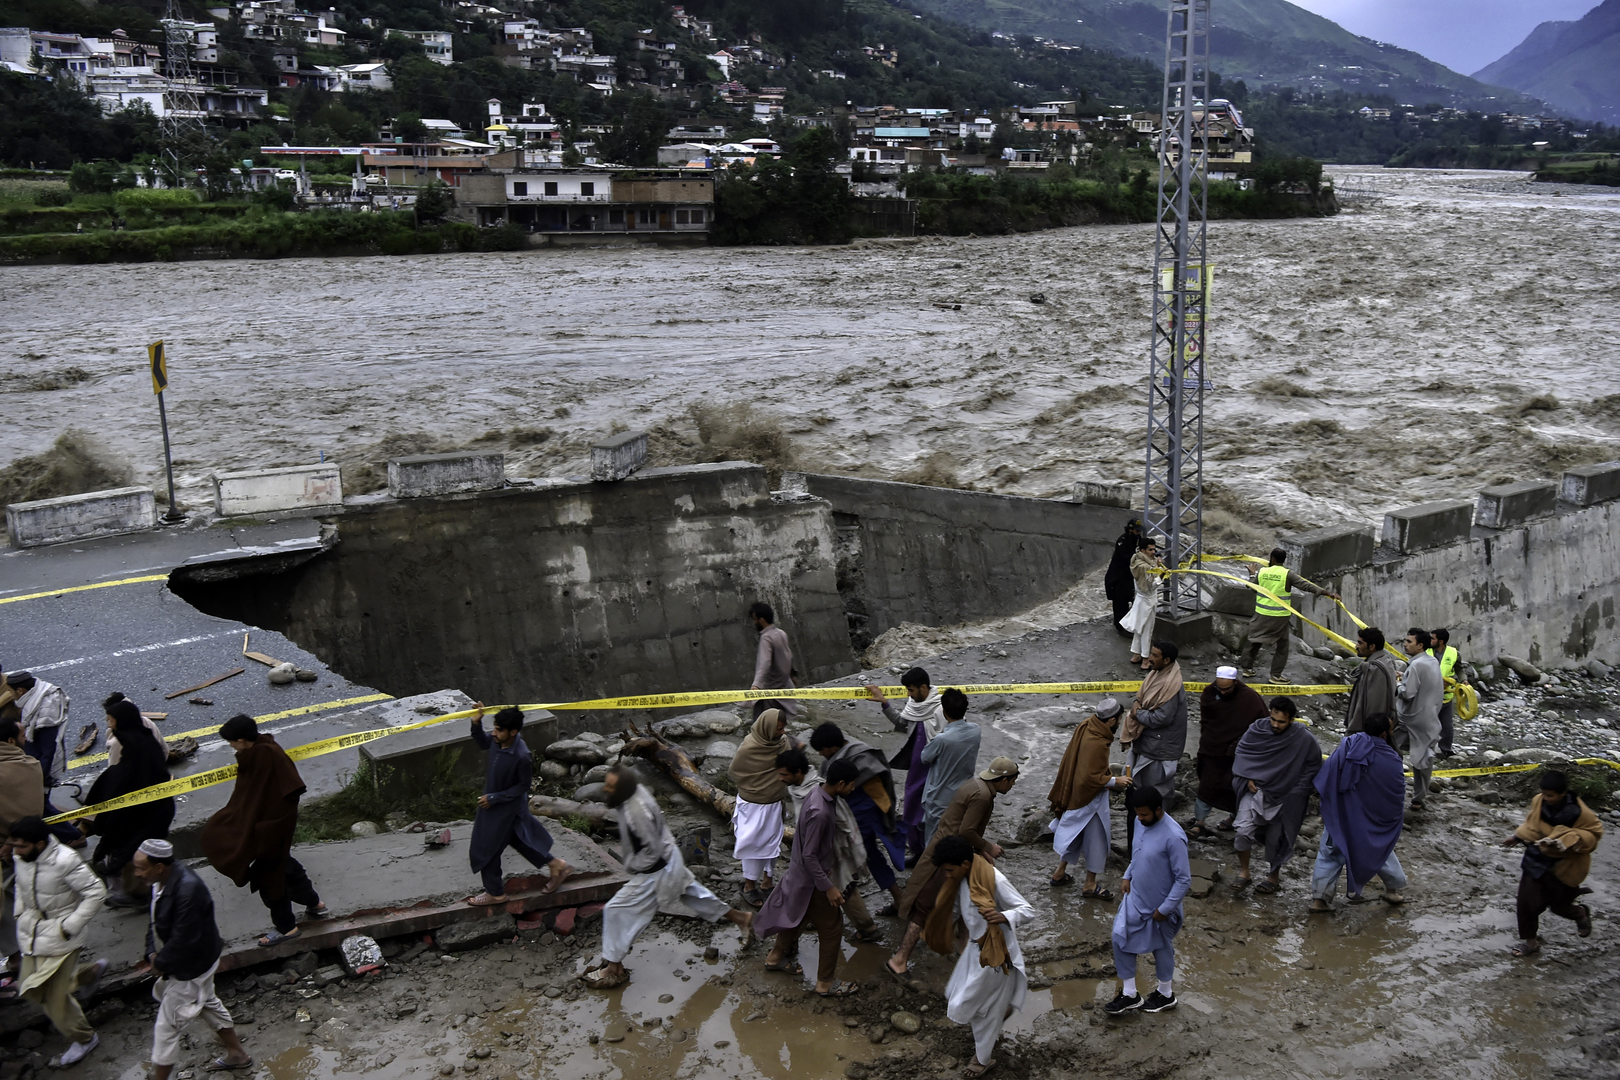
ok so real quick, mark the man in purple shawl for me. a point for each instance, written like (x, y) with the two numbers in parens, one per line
(1362, 788)
(809, 893)
(921, 720)
(1272, 776)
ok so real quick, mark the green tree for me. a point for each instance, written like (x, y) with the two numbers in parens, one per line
(433, 203)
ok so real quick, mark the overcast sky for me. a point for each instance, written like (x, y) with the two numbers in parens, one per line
(1464, 35)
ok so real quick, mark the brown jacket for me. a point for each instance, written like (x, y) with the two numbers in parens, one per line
(1580, 840)
(966, 816)
(259, 820)
(22, 787)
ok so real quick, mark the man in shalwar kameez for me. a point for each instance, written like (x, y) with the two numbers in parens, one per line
(1149, 916)
(1079, 798)
(989, 981)
(504, 819)
(659, 881)
(756, 821)
(921, 720)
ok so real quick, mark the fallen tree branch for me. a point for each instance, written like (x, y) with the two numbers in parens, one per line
(678, 765)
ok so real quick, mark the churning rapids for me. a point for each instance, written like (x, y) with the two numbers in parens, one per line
(1461, 331)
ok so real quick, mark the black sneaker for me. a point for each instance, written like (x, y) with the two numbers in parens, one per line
(1157, 1002)
(1122, 1005)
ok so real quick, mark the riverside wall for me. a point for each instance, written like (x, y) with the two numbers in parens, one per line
(1543, 583)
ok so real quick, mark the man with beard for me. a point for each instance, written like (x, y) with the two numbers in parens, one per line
(922, 721)
(849, 849)
(1273, 775)
(1361, 787)
(1154, 732)
(1372, 687)
(659, 881)
(1226, 710)
(1079, 798)
(1118, 584)
(809, 893)
(873, 804)
(1149, 916)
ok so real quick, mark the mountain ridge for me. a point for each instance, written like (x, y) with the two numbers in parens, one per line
(1574, 64)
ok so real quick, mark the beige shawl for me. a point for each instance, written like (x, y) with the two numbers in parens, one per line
(753, 769)
(1158, 688)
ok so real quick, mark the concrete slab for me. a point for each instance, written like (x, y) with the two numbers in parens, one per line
(1591, 484)
(619, 456)
(1428, 525)
(266, 491)
(382, 886)
(445, 474)
(1323, 552)
(416, 758)
(1507, 505)
(81, 517)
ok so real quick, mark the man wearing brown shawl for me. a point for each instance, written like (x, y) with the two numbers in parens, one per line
(1155, 730)
(250, 839)
(757, 820)
(1226, 710)
(1079, 799)
(966, 817)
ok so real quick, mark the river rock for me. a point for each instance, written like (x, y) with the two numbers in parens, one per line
(595, 775)
(552, 770)
(1598, 669)
(1533, 755)
(1524, 669)
(1200, 887)
(282, 674)
(1033, 828)
(576, 752)
(910, 1023)
(717, 755)
(596, 792)
(591, 737)
(364, 828)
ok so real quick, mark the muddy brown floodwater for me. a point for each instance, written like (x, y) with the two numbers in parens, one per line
(1457, 333)
(1267, 991)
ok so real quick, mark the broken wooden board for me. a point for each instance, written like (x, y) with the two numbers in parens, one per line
(204, 685)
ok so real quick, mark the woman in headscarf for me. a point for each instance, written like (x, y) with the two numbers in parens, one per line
(756, 822)
(139, 760)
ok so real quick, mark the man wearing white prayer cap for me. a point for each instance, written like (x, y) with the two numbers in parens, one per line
(1226, 710)
(183, 946)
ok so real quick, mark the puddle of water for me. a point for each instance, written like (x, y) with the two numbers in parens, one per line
(302, 1063)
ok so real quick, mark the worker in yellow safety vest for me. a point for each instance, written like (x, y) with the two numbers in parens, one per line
(1446, 653)
(1273, 623)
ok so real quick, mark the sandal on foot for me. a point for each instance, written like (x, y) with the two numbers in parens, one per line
(554, 882)
(871, 936)
(1066, 879)
(901, 977)
(318, 911)
(1583, 921)
(1267, 887)
(787, 966)
(276, 937)
(220, 1064)
(974, 1070)
(1198, 831)
(1319, 907)
(753, 898)
(839, 988)
(1101, 892)
(890, 912)
(1526, 948)
(597, 980)
(1240, 883)
(483, 899)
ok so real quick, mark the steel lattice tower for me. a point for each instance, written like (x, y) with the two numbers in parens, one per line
(181, 130)
(1174, 497)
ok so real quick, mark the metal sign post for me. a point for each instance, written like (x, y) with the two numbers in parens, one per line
(160, 382)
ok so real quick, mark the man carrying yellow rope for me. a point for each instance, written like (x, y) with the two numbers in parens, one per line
(1273, 623)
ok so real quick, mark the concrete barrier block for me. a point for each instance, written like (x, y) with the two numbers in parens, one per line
(1507, 505)
(1103, 493)
(263, 491)
(80, 517)
(412, 760)
(618, 457)
(1591, 484)
(1428, 525)
(445, 474)
(1335, 549)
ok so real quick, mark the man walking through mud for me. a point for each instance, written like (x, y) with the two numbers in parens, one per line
(1559, 835)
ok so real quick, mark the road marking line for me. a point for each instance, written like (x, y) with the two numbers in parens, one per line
(84, 588)
(126, 652)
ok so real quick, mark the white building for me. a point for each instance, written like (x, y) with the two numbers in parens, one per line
(436, 43)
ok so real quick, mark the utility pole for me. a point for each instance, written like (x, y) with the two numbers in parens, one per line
(181, 130)
(1173, 501)
(160, 382)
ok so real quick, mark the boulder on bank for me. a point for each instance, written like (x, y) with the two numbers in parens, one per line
(576, 752)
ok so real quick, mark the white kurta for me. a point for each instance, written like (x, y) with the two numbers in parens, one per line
(981, 996)
(1140, 620)
(758, 828)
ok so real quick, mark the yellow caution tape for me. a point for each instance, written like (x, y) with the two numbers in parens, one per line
(84, 588)
(1491, 770)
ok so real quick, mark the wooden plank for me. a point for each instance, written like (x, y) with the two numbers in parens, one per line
(204, 685)
(268, 661)
(155, 715)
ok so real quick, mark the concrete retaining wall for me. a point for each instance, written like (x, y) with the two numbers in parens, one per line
(571, 591)
(265, 491)
(80, 517)
(937, 556)
(1546, 586)
(445, 474)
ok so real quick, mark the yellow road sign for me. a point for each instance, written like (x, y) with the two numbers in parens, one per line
(160, 367)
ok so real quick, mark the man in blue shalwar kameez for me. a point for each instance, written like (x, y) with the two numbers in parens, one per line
(504, 820)
(1150, 911)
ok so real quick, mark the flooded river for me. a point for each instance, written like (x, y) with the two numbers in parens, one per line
(1459, 332)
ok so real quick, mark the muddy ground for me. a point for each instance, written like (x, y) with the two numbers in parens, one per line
(1266, 990)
